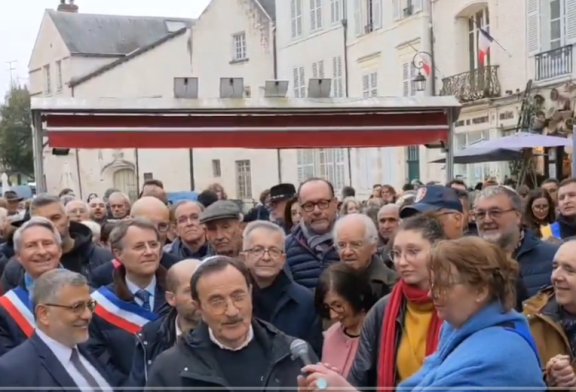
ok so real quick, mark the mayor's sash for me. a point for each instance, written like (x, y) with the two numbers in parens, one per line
(127, 316)
(17, 304)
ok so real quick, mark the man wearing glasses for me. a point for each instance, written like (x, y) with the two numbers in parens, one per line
(38, 247)
(52, 358)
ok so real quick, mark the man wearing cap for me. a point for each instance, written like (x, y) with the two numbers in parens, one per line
(441, 202)
(13, 200)
(223, 229)
(279, 196)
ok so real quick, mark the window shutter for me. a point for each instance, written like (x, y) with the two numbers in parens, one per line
(533, 26)
(570, 13)
(296, 83)
(358, 17)
(396, 9)
(293, 17)
(374, 84)
(376, 14)
(319, 14)
(312, 15)
(365, 85)
(302, 79)
(406, 79)
(315, 70)
(417, 5)
(321, 69)
(299, 17)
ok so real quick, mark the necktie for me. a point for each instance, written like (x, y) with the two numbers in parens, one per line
(92, 383)
(144, 296)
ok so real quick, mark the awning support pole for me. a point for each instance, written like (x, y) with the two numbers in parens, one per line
(450, 146)
(38, 148)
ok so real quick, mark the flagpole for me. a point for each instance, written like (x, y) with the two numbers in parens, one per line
(493, 39)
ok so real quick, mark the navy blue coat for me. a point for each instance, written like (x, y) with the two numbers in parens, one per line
(535, 259)
(114, 346)
(33, 366)
(305, 265)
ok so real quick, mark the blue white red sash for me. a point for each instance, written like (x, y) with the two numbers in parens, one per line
(18, 305)
(125, 315)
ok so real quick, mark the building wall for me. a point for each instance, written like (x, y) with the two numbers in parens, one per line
(213, 50)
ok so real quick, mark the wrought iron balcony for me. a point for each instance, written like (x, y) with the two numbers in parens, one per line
(473, 85)
(553, 63)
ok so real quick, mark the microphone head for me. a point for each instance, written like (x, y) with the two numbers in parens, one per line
(298, 347)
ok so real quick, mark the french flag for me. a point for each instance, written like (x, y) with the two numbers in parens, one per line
(484, 42)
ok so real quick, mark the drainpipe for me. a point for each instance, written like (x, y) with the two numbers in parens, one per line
(275, 70)
(77, 153)
(430, 20)
(346, 83)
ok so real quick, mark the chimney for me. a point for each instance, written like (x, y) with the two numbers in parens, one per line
(68, 6)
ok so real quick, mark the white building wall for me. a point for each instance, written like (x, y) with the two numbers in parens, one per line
(213, 54)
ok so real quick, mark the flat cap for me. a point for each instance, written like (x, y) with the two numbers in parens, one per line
(222, 209)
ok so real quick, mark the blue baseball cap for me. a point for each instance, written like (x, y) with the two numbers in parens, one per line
(432, 198)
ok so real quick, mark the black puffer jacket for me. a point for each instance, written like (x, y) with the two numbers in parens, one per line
(84, 257)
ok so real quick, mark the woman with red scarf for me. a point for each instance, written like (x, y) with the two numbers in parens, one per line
(403, 327)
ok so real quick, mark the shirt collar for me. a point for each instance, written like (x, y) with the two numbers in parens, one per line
(62, 352)
(178, 330)
(151, 288)
(249, 338)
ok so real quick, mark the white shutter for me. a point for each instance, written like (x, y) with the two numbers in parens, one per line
(570, 13)
(319, 14)
(315, 70)
(406, 79)
(321, 69)
(299, 17)
(358, 17)
(312, 15)
(302, 79)
(293, 17)
(413, 73)
(376, 14)
(417, 5)
(365, 86)
(296, 83)
(374, 84)
(533, 26)
(396, 9)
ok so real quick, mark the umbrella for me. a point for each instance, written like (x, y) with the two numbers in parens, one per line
(481, 155)
(523, 140)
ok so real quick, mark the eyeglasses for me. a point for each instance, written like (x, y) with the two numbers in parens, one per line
(219, 306)
(409, 254)
(494, 214)
(541, 207)
(274, 253)
(78, 308)
(322, 204)
(336, 308)
(355, 245)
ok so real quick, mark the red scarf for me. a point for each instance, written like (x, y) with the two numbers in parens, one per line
(387, 354)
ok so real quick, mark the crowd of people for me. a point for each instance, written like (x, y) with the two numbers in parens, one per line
(435, 286)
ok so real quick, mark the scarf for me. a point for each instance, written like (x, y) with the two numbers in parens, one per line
(319, 243)
(387, 355)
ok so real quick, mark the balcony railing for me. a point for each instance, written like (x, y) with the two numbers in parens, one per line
(473, 85)
(553, 63)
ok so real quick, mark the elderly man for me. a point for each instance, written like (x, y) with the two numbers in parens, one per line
(159, 335)
(135, 297)
(498, 213)
(38, 247)
(356, 239)
(97, 210)
(79, 254)
(245, 352)
(119, 205)
(53, 359)
(78, 211)
(309, 249)
(276, 298)
(223, 227)
(191, 234)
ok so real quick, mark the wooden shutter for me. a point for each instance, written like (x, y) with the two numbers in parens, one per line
(570, 18)
(533, 26)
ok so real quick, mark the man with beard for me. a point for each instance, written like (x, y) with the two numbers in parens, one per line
(159, 335)
(98, 210)
(565, 225)
(498, 213)
(223, 227)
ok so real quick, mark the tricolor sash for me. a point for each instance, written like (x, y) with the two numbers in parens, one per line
(18, 305)
(124, 315)
(116, 263)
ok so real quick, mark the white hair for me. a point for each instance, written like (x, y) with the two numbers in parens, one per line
(371, 233)
(262, 224)
(35, 221)
(94, 227)
(69, 203)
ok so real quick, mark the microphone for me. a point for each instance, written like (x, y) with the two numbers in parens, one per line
(299, 349)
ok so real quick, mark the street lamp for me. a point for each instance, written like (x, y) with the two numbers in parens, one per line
(419, 64)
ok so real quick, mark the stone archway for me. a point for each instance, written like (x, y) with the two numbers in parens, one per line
(125, 180)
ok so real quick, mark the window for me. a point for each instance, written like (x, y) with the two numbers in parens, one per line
(479, 20)
(337, 82)
(413, 163)
(409, 72)
(239, 46)
(327, 163)
(318, 70)
(315, 15)
(557, 24)
(370, 85)
(243, 179)
(59, 76)
(299, 83)
(47, 80)
(335, 11)
(402, 9)
(296, 17)
(367, 16)
(216, 169)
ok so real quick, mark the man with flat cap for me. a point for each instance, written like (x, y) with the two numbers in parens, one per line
(223, 227)
(279, 196)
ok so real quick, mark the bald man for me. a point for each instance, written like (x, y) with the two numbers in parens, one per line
(78, 211)
(154, 210)
(159, 335)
